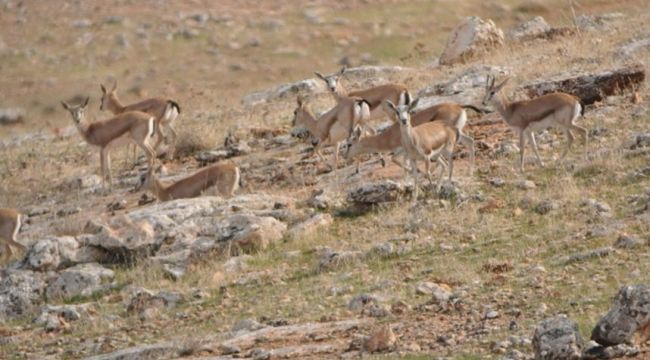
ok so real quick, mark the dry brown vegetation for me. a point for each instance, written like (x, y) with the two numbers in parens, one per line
(494, 249)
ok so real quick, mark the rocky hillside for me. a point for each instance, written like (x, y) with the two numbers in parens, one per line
(305, 262)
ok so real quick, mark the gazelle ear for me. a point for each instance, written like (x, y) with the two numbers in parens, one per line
(414, 104)
(65, 105)
(114, 86)
(391, 105)
(487, 82)
(300, 100)
(86, 102)
(320, 75)
(343, 69)
(103, 88)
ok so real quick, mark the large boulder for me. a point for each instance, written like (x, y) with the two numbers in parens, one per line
(557, 338)
(283, 92)
(20, 293)
(58, 252)
(472, 36)
(79, 280)
(629, 313)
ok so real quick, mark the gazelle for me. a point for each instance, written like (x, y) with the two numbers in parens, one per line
(120, 130)
(10, 222)
(525, 117)
(425, 142)
(335, 126)
(451, 114)
(164, 110)
(224, 176)
(375, 96)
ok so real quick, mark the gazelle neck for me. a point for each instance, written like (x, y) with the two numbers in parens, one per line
(157, 187)
(340, 91)
(114, 105)
(83, 126)
(309, 121)
(500, 103)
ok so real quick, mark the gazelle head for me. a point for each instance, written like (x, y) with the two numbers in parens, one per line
(298, 112)
(491, 90)
(332, 80)
(107, 97)
(147, 180)
(349, 146)
(403, 112)
(77, 111)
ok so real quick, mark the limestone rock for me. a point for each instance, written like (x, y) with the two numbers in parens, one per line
(557, 338)
(310, 225)
(79, 280)
(20, 292)
(58, 252)
(378, 192)
(471, 37)
(531, 29)
(629, 313)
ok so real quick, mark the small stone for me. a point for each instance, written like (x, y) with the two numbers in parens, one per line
(246, 325)
(546, 206)
(492, 314)
(526, 185)
(625, 241)
(360, 301)
(497, 182)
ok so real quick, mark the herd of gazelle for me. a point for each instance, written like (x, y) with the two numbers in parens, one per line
(426, 135)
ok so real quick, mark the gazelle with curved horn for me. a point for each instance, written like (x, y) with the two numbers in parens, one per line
(10, 222)
(164, 110)
(224, 176)
(451, 114)
(375, 96)
(527, 116)
(425, 142)
(333, 127)
(120, 130)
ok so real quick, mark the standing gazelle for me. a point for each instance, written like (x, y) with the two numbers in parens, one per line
(425, 142)
(451, 114)
(10, 222)
(375, 96)
(120, 130)
(224, 176)
(335, 126)
(525, 117)
(164, 110)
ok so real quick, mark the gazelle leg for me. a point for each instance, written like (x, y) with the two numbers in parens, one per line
(584, 133)
(427, 169)
(533, 142)
(159, 136)
(522, 150)
(414, 173)
(174, 137)
(450, 157)
(108, 168)
(469, 142)
(102, 164)
(336, 155)
(569, 137)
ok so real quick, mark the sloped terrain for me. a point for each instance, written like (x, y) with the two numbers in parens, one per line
(306, 262)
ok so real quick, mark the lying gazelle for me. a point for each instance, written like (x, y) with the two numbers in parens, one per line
(451, 114)
(120, 130)
(425, 142)
(164, 110)
(375, 96)
(224, 176)
(333, 127)
(525, 117)
(10, 222)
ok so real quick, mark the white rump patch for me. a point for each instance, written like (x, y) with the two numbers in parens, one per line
(461, 121)
(151, 127)
(576, 112)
